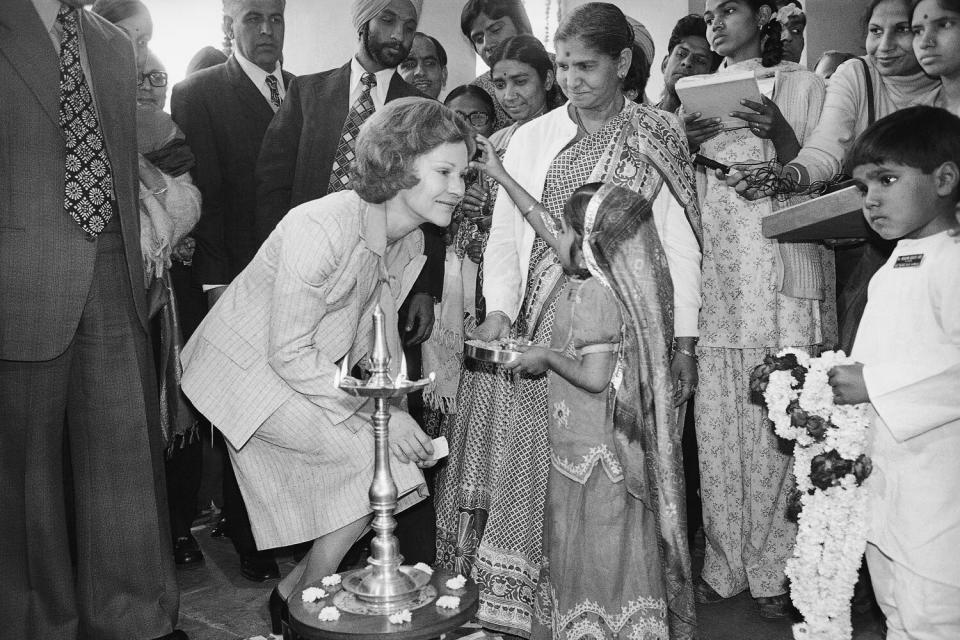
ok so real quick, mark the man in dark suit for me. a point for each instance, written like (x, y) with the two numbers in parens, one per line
(303, 145)
(224, 112)
(75, 367)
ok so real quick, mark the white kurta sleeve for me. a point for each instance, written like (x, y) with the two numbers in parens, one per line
(823, 151)
(916, 395)
(501, 259)
(683, 257)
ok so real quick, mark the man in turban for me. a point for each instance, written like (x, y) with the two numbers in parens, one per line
(308, 147)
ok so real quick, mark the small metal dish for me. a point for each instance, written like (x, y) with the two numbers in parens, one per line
(485, 352)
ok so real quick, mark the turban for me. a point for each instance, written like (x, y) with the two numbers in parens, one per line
(363, 11)
(643, 39)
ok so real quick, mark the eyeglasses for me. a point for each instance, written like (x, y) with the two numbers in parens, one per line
(156, 79)
(476, 118)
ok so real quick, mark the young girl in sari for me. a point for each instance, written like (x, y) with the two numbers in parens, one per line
(610, 404)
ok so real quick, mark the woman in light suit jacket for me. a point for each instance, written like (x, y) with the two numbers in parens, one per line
(262, 365)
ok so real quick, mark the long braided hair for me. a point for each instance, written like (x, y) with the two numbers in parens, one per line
(771, 41)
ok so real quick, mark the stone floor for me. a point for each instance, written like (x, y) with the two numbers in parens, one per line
(217, 603)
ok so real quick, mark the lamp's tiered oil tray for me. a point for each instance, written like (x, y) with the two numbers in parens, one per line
(371, 601)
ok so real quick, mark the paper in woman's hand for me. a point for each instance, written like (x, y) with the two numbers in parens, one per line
(717, 95)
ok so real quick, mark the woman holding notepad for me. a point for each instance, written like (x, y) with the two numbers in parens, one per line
(863, 90)
(759, 296)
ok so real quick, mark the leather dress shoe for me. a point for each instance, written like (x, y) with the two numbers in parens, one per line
(220, 530)
(704, 593)
(774, 607)
(175, 635)
(259, 567)
(279, 613)
(187, 553)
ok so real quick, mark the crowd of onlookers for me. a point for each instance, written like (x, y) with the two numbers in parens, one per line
(217, 264)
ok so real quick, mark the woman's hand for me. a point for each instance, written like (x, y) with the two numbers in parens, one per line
(683, 369)
(408, 442)
(489, 162)
(474, 249)
(766, 121)
(848, 384)
(495, 327)
(533, 361)
(183, 252)
(419, 320)
(699, 131)
(474, 201)
(743, 179)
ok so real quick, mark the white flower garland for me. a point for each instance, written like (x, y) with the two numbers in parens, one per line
(831, 534)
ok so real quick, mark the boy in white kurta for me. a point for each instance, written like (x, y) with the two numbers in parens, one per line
(908, 353)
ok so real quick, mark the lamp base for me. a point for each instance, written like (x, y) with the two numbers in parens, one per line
(367, 592)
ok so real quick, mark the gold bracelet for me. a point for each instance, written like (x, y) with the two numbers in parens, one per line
(526, 212)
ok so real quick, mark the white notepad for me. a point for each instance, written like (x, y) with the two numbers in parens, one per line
(718, 94)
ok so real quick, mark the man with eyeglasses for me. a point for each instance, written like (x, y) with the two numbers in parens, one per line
(426, 66)
(306, 154)
(152, 85)
(224, 112)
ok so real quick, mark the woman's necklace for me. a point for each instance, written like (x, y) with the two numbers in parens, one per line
(582, 127)
(576, 115)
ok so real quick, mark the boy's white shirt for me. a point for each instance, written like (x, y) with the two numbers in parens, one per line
(909, 342)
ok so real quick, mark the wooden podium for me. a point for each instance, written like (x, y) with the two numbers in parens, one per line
(836, 214)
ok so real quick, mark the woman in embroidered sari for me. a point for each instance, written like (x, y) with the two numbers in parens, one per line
(491, 499)
(759, 296)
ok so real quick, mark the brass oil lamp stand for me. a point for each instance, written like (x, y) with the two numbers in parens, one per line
(384, 586)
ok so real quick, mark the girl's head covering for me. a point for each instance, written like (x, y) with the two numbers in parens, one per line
(622, 250)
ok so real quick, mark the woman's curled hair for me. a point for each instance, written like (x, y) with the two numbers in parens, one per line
(394, 137)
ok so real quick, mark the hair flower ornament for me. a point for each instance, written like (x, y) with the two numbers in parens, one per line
(783, 17)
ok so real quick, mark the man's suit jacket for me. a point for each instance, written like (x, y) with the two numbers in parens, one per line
(224, 117)
(296, 157)
(46, 260)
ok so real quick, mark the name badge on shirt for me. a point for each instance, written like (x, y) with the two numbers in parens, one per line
(912, 260)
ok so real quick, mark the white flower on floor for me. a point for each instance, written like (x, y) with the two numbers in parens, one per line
(313, 594)
(400, 617)
(329, 614)
(448, 602)
(330, 581)
(422, 566)
(456, 583)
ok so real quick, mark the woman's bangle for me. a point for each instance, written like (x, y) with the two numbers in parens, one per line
(526, 212)
(792, 172)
